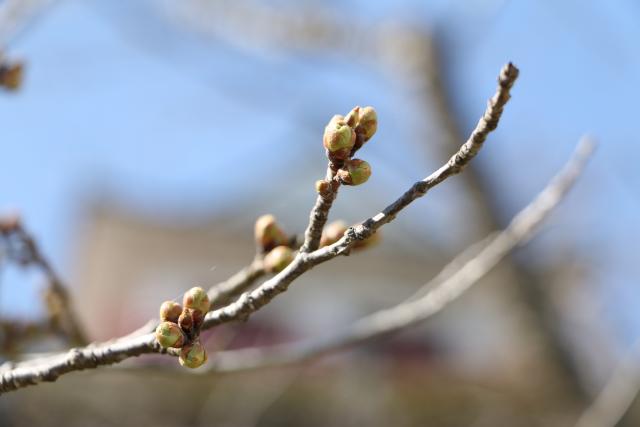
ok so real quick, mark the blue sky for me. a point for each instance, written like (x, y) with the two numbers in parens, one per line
(117, 100)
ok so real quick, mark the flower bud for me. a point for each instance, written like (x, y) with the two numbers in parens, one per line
(338, 138)
(322, 186)
(190, 320)
(268, 233)
(368, 123)
(353, 117)
(170, 311)
(11, 75)
(193, 355)
(198, 318)
(168, 334)
(355, 172)
(185, 321)
(197, 299)
(333, 232)
(276, 260)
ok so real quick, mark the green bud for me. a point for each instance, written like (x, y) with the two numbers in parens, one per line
(11, 75)
(276, 260)
(333, 232)
(168, 334)
(355, 172)
(193, 355)
(268, 233)
(170, 311)
(368, 123)
(338, 138)
(197, 299)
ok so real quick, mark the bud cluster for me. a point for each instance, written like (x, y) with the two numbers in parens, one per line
(343, 136)
(180, 326)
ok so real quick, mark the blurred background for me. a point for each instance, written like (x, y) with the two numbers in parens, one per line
(149, 135)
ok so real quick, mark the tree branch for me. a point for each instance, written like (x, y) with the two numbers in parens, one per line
(50, 368)
(454, 279)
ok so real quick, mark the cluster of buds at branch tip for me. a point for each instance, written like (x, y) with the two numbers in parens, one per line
(11, 75)
(343, 137)
(268, 234)
(354, 172)
(276, 260)
(181, 324)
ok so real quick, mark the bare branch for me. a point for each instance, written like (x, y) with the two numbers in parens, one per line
(617, 395)
(35, 372)
(455, 278)
(50, 368)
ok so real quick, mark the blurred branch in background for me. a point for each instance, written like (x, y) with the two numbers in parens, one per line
(15, 334)
(11, 73)
(21, 248)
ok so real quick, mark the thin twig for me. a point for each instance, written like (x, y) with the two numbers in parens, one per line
(50, 368)
(222, 293)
